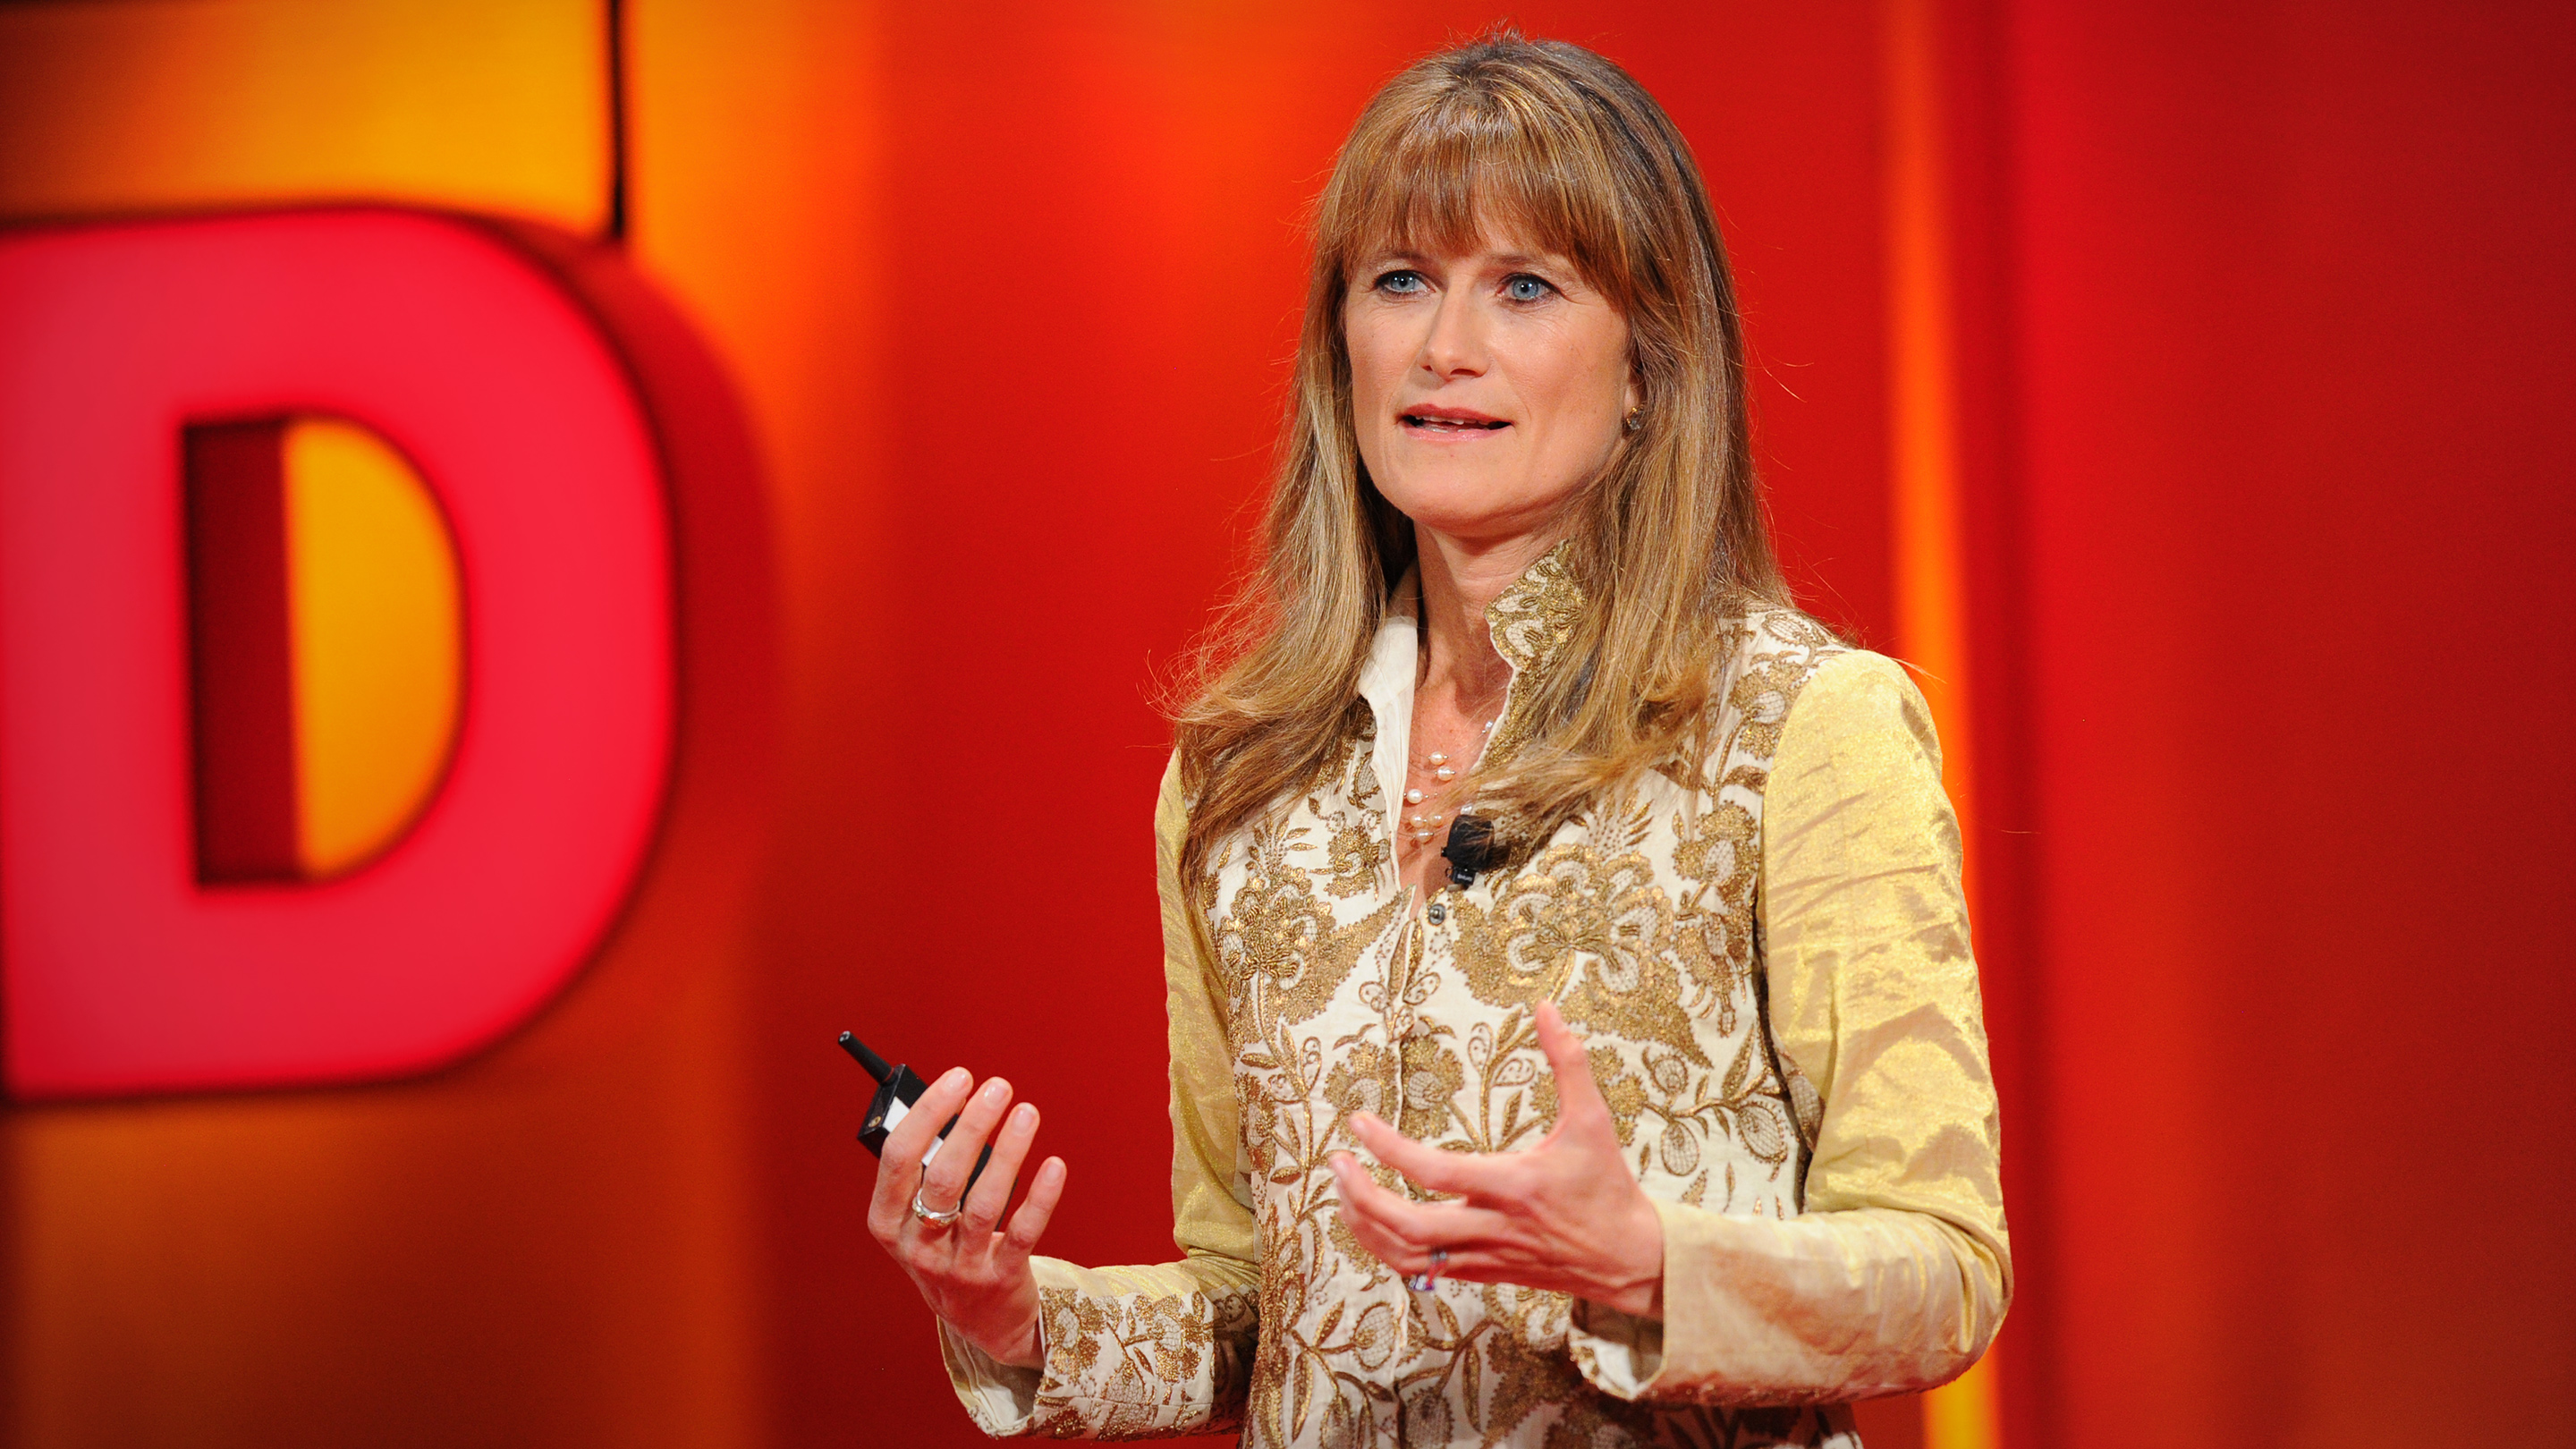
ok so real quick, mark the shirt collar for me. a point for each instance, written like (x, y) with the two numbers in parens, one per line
(1530, 622)
(1386, 682)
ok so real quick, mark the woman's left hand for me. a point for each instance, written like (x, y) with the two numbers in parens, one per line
(1566, 1215)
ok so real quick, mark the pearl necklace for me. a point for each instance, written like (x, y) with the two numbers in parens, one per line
(1423, 827)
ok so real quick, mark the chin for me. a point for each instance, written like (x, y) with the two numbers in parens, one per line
(1471, 517)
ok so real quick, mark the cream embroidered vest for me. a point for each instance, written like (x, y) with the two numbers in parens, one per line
(1638, 918)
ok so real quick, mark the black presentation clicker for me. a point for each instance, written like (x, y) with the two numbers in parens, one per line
(898, 1087)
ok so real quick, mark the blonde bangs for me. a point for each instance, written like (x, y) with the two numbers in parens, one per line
(1468, 169)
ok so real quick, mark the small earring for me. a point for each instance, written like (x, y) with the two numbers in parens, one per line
(1635, 419)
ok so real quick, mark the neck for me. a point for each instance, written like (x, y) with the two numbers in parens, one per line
(1460, 580)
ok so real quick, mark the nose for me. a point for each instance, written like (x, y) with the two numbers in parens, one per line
(1456, 344)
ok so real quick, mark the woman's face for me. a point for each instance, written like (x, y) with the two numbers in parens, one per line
(1486, 387)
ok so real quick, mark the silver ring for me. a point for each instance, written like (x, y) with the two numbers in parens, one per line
(936, 1220)
(1421, 1282)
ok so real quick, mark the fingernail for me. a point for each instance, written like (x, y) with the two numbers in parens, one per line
(996, 1090)
(955, 1076)
(1024, 1114)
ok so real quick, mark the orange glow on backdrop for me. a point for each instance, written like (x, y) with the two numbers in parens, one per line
(484, 105)
(376, 641)
(2072, 387)
(1925, 513)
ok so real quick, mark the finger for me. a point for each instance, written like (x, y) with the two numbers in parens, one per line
(992, 1191)
(1398, 1229)
(913, 1135)
(1487, 1265)
(1458, 1172)
(1359, 1190)
(1353, 1184)
(1424, 1225)
(1388, 1249)
(1514, 1266)
(943, 1178)
(1382, 1242)
(1030, 1222)
(899, 1156)
(1404, 1253)
(1576, 1091)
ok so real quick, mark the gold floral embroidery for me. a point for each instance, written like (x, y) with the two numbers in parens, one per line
(1432, 1077)
(1279, 948)
(1594, 933)
(1638, 917)
(1120, 1357)
(1357, 1082)
(1529, 623)
(1533, 618)
(1622, 1090)
(1358, 855)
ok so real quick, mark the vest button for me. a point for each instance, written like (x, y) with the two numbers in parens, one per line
(1438, 913)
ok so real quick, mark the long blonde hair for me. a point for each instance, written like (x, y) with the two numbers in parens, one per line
(1667, 541)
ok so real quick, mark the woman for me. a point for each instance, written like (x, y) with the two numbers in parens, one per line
(1574, 1035)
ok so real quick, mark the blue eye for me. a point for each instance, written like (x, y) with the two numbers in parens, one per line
(1402, 283)
(1522, 287)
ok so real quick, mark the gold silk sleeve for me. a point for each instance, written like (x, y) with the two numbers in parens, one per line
(1898, 1273)
(1145, 1352)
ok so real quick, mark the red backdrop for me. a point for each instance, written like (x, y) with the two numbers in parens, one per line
(2263, 312)
(2289, 321)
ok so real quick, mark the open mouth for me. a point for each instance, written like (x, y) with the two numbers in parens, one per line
(1449, 422)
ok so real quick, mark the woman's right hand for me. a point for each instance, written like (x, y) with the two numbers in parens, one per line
(971, 1273)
